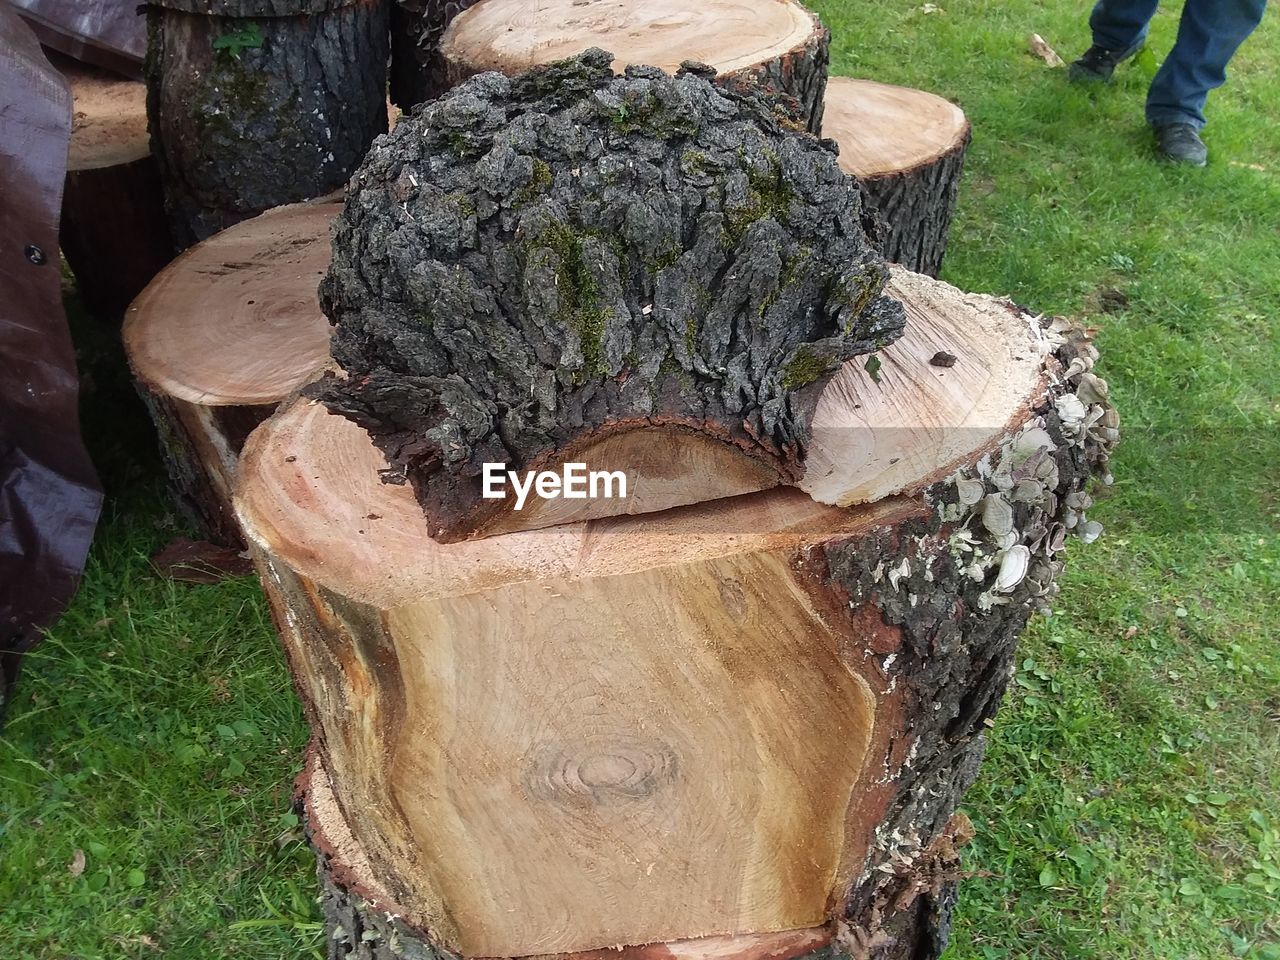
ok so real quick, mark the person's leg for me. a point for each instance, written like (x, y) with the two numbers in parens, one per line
(1121, 25)
(1208, 36)
(1119, 28)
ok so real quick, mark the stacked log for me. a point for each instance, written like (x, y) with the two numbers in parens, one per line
(734, 714)
(907, 148)
(224, 334)
(779, 45)
(258, 103)
(113, 230)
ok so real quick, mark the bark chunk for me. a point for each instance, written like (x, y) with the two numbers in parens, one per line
(527, 261)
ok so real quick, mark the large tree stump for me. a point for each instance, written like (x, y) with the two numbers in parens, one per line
(568, 258)
(113, 231)
(258, 103)
(223, 335)
(907, 147)
(736, 719)
(778, 45)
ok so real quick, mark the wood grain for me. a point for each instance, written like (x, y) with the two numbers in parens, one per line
(511, 35)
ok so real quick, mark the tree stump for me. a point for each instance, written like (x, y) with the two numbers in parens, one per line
(736, 720)
(579, 257)
(779, 45)
(113, 230)
(223, 335)
(907, 147)
(258, 103)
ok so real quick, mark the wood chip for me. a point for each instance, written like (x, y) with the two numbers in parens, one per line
(943, 359)
(1037, 45)
(198, 561)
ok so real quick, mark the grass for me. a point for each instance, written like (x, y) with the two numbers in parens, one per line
(1130, 803)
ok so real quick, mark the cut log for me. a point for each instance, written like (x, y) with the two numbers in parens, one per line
(740, 718)
(662, 256)
(418, 70)
(907, 147)
(264, 104)
(113, 230)
(223, 335)
(779, 45)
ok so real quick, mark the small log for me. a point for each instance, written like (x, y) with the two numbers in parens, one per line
(907, 147)
(663, 257)
(223, 335)
(740, 718)
(780, 45)
(258, 103)
(113, 231)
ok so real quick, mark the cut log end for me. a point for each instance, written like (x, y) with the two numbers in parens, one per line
(896, 426)
(366, 923)
(223, 335)
(907, 147)
(109, 118)
(780, 45)
(797, 693)
(113, 230)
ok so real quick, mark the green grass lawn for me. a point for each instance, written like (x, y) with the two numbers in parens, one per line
(1130, 804)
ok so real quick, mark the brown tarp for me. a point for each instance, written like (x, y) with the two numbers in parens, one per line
(108, 33)
(49, 494)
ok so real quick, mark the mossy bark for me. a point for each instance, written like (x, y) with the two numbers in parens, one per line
(525, 263)
(250, 110)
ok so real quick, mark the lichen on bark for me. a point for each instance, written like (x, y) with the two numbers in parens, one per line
(525, 260)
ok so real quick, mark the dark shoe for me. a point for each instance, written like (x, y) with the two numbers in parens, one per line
(1181, 143)
(1098, 64)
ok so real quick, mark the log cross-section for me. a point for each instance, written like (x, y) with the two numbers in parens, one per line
(113, 231)
(728, 720)
(223, 335)
(907, 147)
(778, 45)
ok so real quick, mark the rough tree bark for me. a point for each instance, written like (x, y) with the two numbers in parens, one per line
(113, 230)
(223, 335)
(907, 147)
(527, 267)
(254, 104)
(741, 718)
(781, 46)
(418, 69)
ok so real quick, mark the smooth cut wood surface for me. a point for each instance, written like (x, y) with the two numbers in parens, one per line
(741, 717)
(235, 320)
(514, 35)
(870, 440)
(312, 494)
(886, 129)
(109, 117)
(913, 422)
(611, 712)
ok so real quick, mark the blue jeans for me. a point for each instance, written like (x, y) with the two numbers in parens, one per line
(1208, 35)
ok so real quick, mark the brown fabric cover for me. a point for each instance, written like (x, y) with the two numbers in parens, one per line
(108, 33)
(49, 495)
